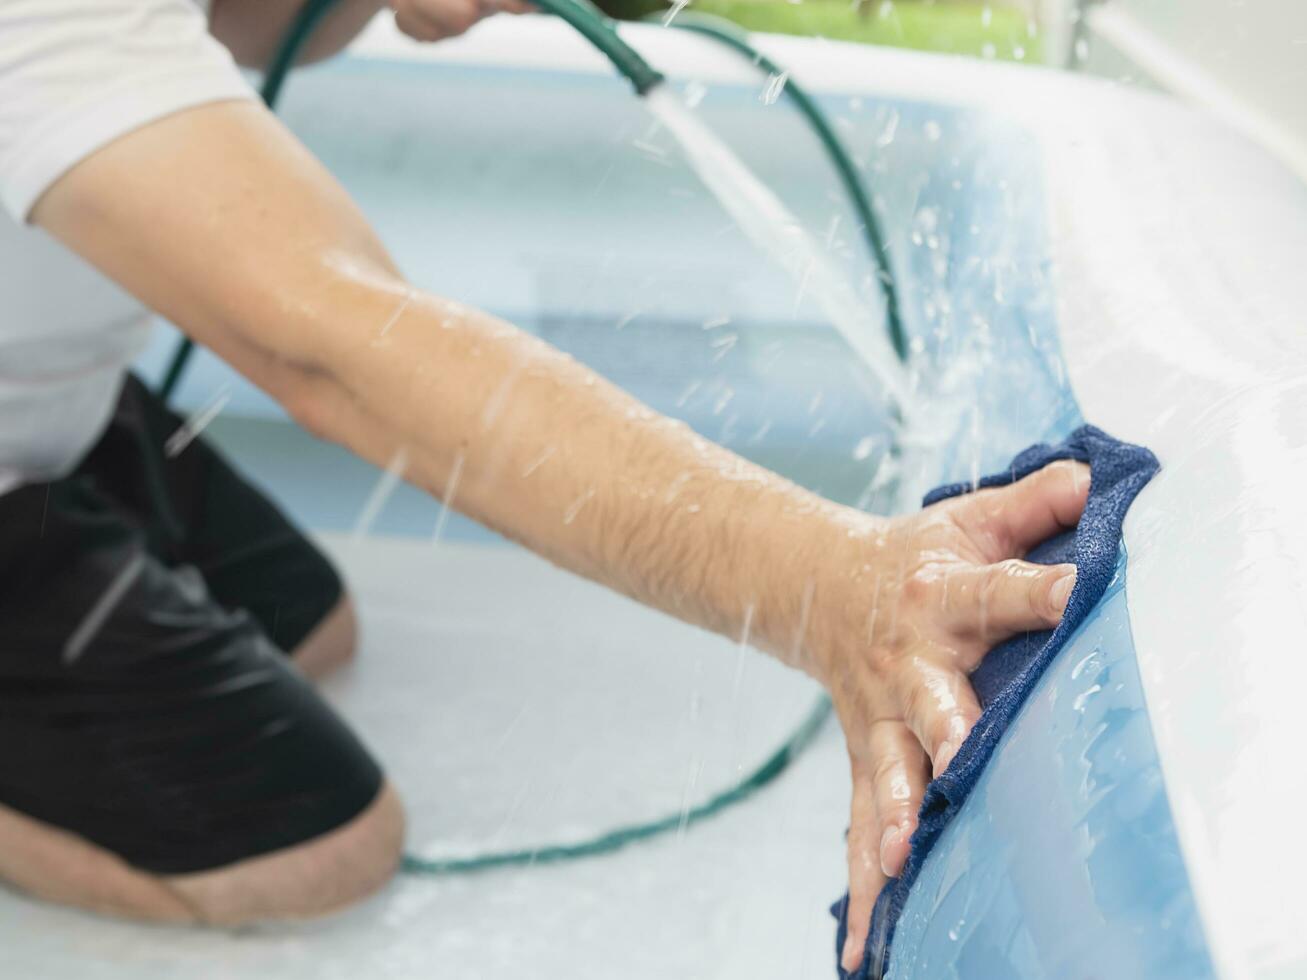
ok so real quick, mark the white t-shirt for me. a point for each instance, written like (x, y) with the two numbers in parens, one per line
(74, 76)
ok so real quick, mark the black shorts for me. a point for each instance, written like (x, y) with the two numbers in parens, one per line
(146, 703)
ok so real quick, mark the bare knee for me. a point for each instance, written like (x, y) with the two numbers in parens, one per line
(58, 866)
(316, 878)
(332, 644)
(320, 876)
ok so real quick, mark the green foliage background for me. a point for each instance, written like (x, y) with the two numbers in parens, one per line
(989, 30)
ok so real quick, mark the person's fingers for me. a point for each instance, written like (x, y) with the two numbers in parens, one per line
(510, 6)
(415, 25)
(865, 876)
(989, 603)
(1019, 516)
(938, 705)
(458, 16)
(434, 21)
(900, 772)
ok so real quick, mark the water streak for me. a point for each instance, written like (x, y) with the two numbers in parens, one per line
(771, 226)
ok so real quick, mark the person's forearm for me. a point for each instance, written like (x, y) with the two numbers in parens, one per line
(532, 443)
(252, 29)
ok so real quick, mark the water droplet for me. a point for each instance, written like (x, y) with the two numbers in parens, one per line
(1079, 668)
(723, 345)
(650, 149)
(864, 447)
(775, 86)
(675, 9)
(886, 136)
(575, 508)
(196, 423)
(447, 498)
(538, 462)
(1083, 698)
(381, 492)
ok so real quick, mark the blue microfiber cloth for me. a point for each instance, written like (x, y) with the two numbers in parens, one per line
(1009, 672)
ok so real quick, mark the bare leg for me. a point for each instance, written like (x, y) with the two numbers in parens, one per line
(332, 644)
(317, 877)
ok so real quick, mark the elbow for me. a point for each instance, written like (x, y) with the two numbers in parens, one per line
(310, 344)
(306, 394)
(316, 319)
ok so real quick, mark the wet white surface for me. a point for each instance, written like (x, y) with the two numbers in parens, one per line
(515, 704)
(1182, 325)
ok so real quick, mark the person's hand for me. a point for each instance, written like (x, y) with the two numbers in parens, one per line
(929, 595)
(435, 20)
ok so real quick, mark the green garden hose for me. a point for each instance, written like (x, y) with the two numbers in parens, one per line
(619, 837)
(733, 37)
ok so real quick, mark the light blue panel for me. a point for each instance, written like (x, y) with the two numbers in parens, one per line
(1064, 861)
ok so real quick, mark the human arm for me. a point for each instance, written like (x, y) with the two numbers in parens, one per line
(252, 29)
(220, 220)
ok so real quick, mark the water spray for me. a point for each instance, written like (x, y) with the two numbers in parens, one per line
(726, 33)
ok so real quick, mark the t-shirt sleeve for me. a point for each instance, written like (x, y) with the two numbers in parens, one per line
(77, 74)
